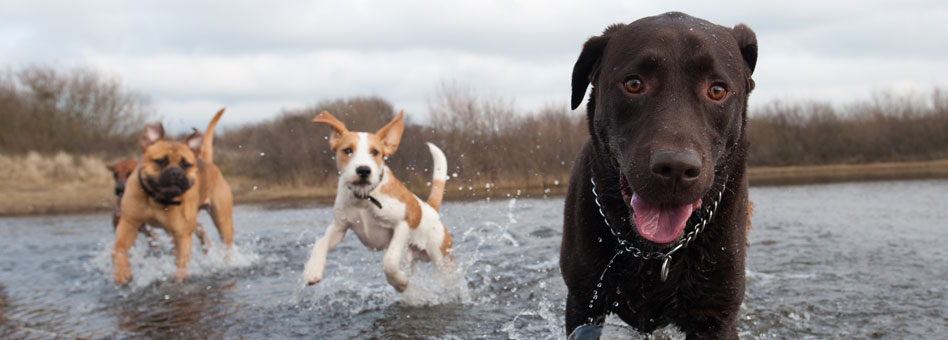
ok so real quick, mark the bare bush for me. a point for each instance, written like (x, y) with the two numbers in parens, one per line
(78, 110)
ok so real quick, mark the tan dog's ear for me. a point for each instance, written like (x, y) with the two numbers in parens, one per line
(391, 134)
(194, 141)
(338, 128)
(153, 132)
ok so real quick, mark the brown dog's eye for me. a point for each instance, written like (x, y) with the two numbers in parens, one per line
(184, 164)
(375, 152)
(717, 92)
(161, 162)
(348, 151)
(634, 85)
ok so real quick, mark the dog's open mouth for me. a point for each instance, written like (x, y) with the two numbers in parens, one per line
(657, 222)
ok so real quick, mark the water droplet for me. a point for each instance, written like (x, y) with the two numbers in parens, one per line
(166, 297)
(262, 154)
(615, 304)
(600, 240)
(599, 285)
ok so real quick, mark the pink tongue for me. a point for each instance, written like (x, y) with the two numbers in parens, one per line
(660, 223)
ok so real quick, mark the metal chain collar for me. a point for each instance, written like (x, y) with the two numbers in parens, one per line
(626, 247)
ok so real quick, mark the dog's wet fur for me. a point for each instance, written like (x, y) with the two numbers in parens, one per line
(667, 118)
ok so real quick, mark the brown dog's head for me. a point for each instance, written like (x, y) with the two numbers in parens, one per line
(120, 172)
(168, 169)
(360, 156)
(667, 111)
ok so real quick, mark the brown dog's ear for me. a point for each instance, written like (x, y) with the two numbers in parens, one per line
(153, 132)
(194, 141)
(747, 42)
(338, 128)
(111, 167)
(391, 134)
(587, 65)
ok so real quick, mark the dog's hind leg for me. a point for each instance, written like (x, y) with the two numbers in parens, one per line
(313, 270)
(393, 256)
(221, 211)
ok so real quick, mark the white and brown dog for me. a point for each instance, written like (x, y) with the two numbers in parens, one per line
(377, 207)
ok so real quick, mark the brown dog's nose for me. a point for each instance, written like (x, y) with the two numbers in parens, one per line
(684, 166)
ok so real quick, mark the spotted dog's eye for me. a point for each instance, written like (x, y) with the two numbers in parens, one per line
(347, 151)
(375, 152)
(184, 164)
(717, 92)
(634, 85)
(161, 162)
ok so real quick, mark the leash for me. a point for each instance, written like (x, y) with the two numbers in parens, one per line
(152, 194)
(368, 197)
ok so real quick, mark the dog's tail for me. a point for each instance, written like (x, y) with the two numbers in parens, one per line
(207, 151)
(438, 176)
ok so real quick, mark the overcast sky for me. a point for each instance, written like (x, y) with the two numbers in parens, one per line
(258, 58)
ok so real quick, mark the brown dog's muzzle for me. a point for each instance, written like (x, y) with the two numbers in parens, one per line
(171, 183)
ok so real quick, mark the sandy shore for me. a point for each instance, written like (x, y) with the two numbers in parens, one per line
(22, 198)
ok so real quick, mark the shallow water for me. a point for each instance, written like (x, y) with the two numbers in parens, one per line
(860, 260)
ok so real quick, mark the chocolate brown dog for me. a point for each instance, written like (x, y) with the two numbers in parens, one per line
(654, 225)
(173, 181)
(121, 171)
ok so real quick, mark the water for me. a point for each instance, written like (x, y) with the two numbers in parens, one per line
(865, 260)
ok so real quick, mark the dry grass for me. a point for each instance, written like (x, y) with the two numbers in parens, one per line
(847, 172)
(61, 183)
(34, 185)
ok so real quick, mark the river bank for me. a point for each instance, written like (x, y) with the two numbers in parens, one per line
(24, 195)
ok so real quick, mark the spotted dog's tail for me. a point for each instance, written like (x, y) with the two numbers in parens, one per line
(438, 176)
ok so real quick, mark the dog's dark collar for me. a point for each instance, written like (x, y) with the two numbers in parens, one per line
(368, 197)
(152, 194)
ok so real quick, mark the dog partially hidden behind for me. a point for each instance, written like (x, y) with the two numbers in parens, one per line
(377, 207)
(172, 182)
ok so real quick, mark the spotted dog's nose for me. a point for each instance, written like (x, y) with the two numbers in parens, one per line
(363, 172)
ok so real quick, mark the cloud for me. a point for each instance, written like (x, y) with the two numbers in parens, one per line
(258, 59)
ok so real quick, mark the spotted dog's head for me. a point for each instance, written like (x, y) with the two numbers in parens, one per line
(168, 168)
(360, 156)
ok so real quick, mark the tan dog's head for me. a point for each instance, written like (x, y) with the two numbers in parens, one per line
(120, 172)
(168, 168)
(360, 156)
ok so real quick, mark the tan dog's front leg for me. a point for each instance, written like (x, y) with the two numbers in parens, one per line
(313, 270)
(393, 256)
(125, 234)
(182, 253)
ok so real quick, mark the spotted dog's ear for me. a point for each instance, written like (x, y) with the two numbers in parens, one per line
(586, 68)
(391, 134)
(338, 128)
